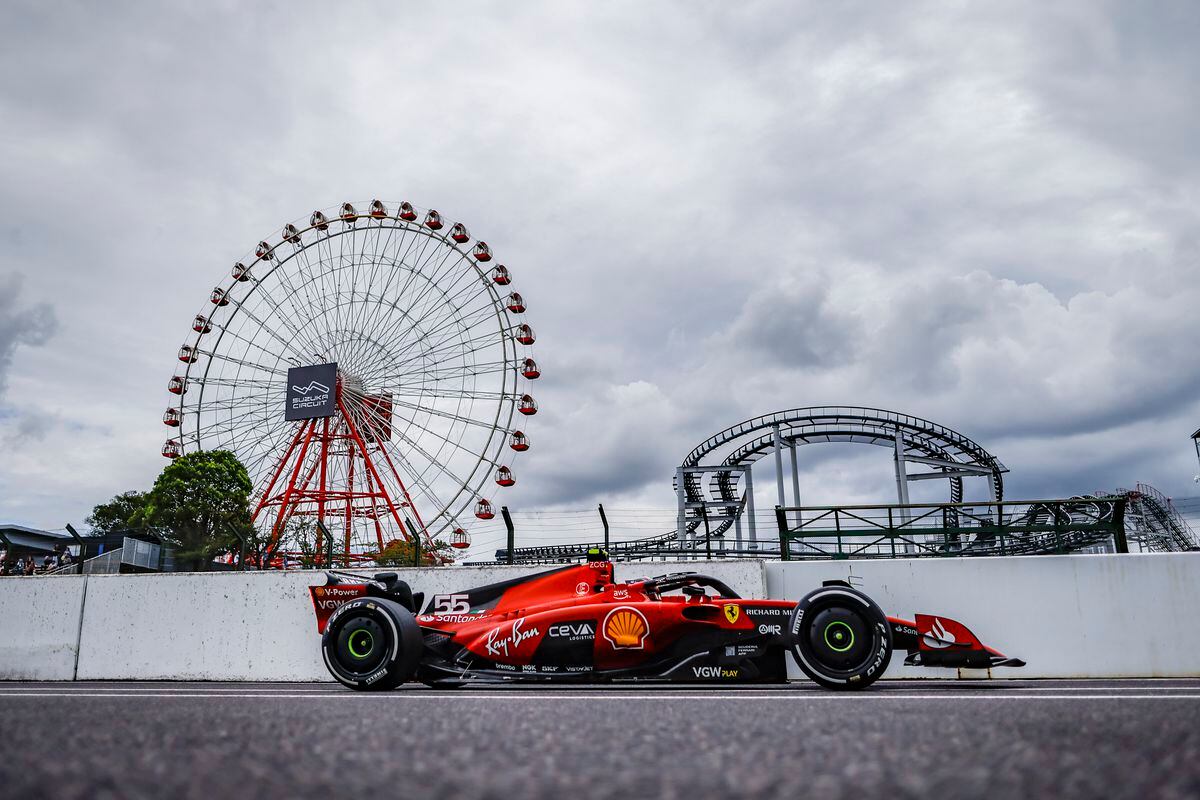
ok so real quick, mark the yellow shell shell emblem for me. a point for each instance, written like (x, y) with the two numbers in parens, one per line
(626, 628)
(320, 591)
(732, 612)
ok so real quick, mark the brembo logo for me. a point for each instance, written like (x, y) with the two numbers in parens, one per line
(938, 637)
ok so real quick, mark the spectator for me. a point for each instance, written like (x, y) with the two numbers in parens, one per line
(29, 566)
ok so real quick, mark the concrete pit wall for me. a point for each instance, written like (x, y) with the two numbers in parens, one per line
(260, 626)
(1068, 616)
(39, 627)
(1110, 616)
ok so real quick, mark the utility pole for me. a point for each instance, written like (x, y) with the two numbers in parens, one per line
(328, 540)
(512, 539)
(416, 539)
(82, 547)
(707, 534)
(604, 520)
(241, 545)
(785, 551)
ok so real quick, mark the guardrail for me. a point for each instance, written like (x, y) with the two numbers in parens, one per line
(1013, 527)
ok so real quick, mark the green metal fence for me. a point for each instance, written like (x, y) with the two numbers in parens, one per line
(1012, 527)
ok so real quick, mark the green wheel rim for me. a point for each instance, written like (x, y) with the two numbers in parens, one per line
(363, 638)
(839, 636)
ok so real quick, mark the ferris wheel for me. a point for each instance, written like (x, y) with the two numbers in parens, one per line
(371, 369)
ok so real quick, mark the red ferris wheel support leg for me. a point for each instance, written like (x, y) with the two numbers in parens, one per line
(408, 500)
(323, 489)
(371, 468)
(284, 501)
(349, 504)
(375, 511)
(266, 495)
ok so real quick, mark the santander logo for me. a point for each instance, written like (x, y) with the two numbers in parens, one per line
(938, 637)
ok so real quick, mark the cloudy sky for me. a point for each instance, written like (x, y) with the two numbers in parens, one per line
(981, 214)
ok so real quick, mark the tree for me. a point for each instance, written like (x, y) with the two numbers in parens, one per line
(117, 514)
(399, 553)
(195, 502)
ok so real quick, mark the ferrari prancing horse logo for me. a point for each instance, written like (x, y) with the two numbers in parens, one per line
(732, 612)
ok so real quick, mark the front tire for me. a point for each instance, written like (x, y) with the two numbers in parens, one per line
(840, 638)
(372, 644)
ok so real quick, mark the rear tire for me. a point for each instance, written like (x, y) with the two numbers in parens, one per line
(372, 644)
(840, 638)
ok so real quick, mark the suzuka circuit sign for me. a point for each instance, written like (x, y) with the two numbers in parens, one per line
(310, 392)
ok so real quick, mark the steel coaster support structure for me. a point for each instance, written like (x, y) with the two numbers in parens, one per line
(1154, 522)
(919, 530)
(727, 459)
(1196, 443)
(1029, 527)
(727, 510)
(947, 454)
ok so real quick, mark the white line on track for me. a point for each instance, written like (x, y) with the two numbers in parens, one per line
(284, 691)
(493, 697)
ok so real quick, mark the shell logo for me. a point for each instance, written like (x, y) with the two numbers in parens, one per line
(320, 591)
(626, 628)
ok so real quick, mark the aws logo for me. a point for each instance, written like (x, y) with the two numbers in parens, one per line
(626, 628)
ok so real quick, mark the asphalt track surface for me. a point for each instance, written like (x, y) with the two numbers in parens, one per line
(949, 739)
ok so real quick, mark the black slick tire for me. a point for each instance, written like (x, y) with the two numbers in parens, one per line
(372, 644)
(840, 638)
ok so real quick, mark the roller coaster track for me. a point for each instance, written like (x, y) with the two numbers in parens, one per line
(1153, 522)
(711, 506)
(1010, 528)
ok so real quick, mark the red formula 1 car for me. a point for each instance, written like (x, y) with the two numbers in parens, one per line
(577, 624)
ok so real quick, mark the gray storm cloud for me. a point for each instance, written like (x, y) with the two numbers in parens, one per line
(982, 216)
(20, 325)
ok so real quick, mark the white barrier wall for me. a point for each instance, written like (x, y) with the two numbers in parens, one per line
(260, 626)
(1067, 616)
(39, 627)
